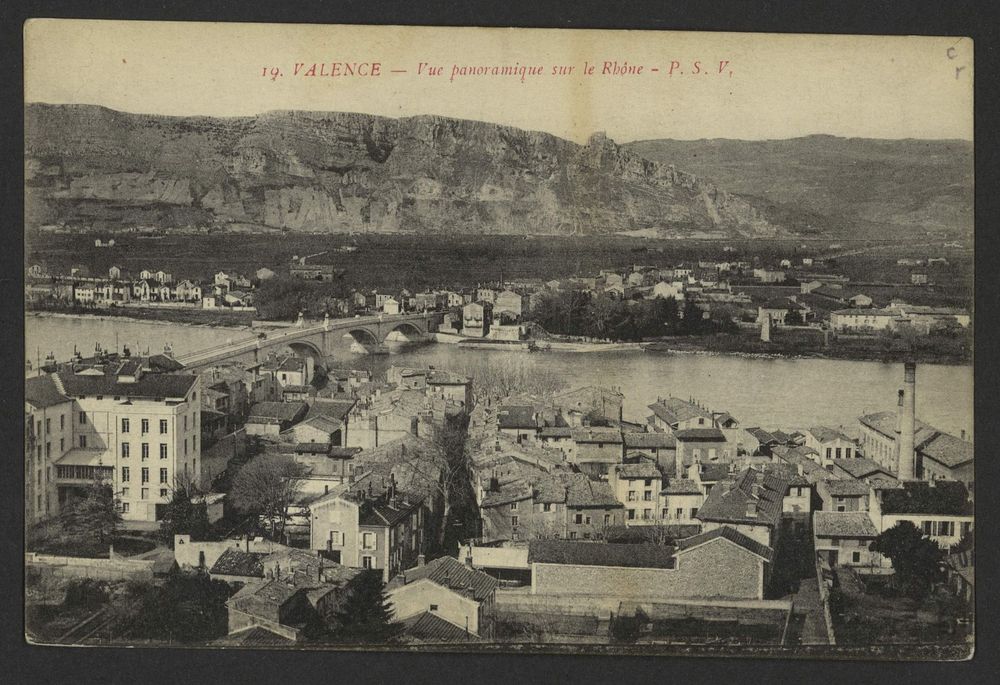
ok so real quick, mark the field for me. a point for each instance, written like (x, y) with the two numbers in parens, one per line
(419, 261)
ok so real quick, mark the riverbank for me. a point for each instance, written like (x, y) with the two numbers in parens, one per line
(190, 317)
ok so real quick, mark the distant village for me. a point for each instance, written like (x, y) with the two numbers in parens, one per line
(786, 296)
(555, 518)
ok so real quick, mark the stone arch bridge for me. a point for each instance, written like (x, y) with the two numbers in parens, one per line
(317, 340)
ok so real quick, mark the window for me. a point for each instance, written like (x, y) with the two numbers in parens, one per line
(163, 450)
(434, 607)
(578, 518)
(62, 422)
(368, 541)
(547, 506)
(928, 528)
(829, 452)
(856, 557)
(48, 449)
(847, 453)
(163, 425)
(145, 475)
(647, 514)
(838, 453)
(83, 441)
(513, 506)
(367, 562)
(336, 538)
(513, 521)
(694, 511)
(62, 445)
(83, 418)
(631, 514)
(124, 492)
(647, 496)
(48, 426)
(631, 495)
(607, 519)
(125, 507)
(649, 482)
(145, 451)
(163, 475)
(572, 535)
(946, 528)
(125, 449)
(145, 426)
(125, 474)
(125, 425)
(163, 492)
(145, 493)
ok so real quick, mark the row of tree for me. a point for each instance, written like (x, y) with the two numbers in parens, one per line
(580, 313)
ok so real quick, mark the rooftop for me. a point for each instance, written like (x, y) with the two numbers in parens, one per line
(517, 416)
(732, 504)
(846, 487)
(41, 392)
(681, 486)
(650, 440)
(947, 450)
(595, 434)
(861, 467)
(429, 627)
(234, 562)
(452, 574)
(642, 469)
(825, 434)
(673, 410)
(275, 411)
(846, 524)
(700, 434)
(104, 380)
(731, 534)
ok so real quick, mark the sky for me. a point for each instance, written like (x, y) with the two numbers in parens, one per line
(745, 86)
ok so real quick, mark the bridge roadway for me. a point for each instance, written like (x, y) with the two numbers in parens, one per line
(367, 330)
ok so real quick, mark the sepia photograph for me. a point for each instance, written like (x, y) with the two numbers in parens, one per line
(466, 339)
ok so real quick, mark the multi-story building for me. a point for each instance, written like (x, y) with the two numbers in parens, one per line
(123, 421)
(48, 417)
(637, 486)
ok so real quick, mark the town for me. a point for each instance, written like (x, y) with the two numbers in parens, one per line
(739, 304)
(287, 501)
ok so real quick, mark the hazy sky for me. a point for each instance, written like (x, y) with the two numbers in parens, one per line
(772, 86)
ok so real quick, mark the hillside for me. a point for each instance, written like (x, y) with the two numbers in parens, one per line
(858, 187)
(93, 167)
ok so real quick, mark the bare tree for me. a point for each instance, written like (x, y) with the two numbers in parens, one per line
(497, 377)
(267, 485)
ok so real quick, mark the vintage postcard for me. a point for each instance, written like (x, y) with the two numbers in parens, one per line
(595, 341)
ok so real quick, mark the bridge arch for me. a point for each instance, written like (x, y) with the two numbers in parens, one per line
(410, 330)
(306, 348)
(364, 336)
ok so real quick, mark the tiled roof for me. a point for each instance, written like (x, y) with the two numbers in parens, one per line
(700, 434)
(731, 534)
(846, 487)
(681, 486)
(825, 434)
(304, 447)
(730, 504)
(254, 636)
(107, 383)
(436, 377)
(450, 573)
(585, 493)
(673, 410)
(650, 440)
(846, 524)
(947, 450)
(942, 497)
(861, 467)
(885, 423)
(387, 513)
(642, 555)
(594, 434)
(335, 410)
(555, 432)
(651, 534)
(517, 416)
(234, 562)
(321, 422)
(275, 411)
(429, 627)
(41, 392)
(642, 469)
(713, 472)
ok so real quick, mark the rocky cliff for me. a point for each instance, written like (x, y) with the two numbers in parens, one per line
(89, 166)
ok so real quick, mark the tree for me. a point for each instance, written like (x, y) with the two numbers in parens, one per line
(266, 486)
(915, 559)
(184, 517)
(94, 516)
(366, 614)
(793, 318)
(187, 608)
(495, 378)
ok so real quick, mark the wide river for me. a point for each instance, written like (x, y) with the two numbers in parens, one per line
(775, 393)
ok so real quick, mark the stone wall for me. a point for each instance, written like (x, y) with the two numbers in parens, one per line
(81, 567)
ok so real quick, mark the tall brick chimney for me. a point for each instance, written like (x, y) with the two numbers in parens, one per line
(907, 423)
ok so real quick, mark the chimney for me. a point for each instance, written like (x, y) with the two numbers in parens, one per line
(421, 560)
(752, 509)
(907, 420)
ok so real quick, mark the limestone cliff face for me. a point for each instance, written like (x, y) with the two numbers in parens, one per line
(335, 172)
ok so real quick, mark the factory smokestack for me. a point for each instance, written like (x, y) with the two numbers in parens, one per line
(907, 423)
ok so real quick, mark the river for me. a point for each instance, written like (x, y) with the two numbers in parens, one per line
(775, 393)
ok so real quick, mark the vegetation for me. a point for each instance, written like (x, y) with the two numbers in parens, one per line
(916, 560)
(282, 298)
(186, 608)
(94, 517)
(495, 378)
(266, 486)
(181, 516)
(364, 617)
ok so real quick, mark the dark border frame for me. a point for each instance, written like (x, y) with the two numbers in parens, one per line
(960, 18)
